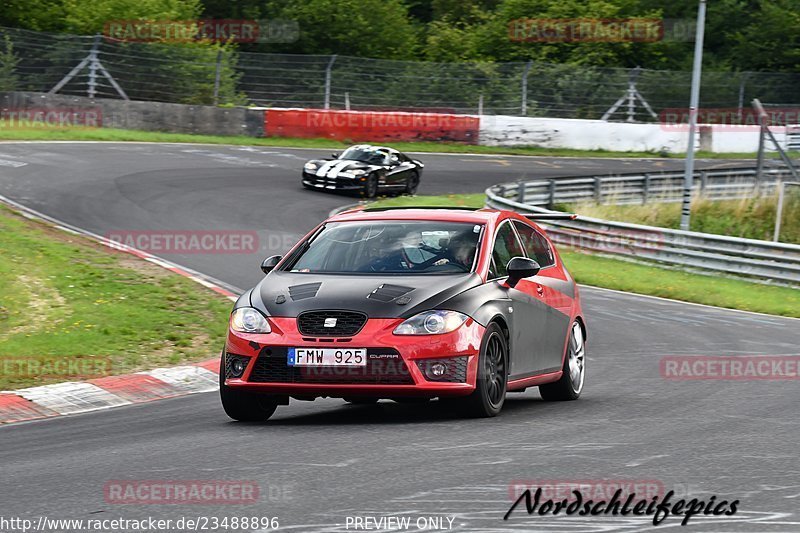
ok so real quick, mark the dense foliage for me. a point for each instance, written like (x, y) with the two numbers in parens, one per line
(749, 35)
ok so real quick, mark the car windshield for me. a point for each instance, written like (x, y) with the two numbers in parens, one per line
(365, 155)
(390, 247)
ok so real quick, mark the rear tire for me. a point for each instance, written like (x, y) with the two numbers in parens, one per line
(491, 383)
(244, 406)
(573, 375)
(412, 183)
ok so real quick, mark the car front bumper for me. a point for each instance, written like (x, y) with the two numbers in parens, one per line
(397, 365)
(335, 183)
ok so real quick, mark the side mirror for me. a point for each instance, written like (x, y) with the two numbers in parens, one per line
(521, 267)
(335, 155)
(270, 262)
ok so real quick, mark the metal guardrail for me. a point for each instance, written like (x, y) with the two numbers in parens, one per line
(641, 188)
(762, 260)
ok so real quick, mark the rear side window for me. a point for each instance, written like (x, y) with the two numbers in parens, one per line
(506, 246)
(535, 245)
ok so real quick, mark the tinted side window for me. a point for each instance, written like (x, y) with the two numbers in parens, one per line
(535, 244)
(506, 246)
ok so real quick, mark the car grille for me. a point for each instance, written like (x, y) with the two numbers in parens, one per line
(384, 367)
(348, 323)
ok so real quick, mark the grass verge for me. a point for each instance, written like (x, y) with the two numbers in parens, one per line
(69, 301)
(752, 218)
(111, 134)
(646, 279)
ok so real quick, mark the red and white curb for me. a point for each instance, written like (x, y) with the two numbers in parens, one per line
(75, 397)
(71, 398)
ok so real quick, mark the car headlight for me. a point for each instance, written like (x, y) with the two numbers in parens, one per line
(311, 167)
(358, 172)
(249, 320)
(431, 323)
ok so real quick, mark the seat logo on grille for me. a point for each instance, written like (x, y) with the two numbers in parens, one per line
(330, 323)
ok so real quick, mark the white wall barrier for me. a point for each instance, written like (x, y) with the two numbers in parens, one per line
(503, 130)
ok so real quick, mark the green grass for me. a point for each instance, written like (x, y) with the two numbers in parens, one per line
(111, 134)
(678, 285)
(460, 200)
(67, 298)
(752, 218)
(646, 279)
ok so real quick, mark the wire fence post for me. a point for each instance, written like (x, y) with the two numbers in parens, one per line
(760, 156)
(694, 99)
(524, 107)
(480, 105)
(741, 94)
(328, 72)
(217, 74)
(91, 90)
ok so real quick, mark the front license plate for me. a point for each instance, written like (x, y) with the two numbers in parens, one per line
(327, 357)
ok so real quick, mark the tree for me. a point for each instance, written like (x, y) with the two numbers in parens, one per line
(364, 28)
(8, 66)
(86, 18)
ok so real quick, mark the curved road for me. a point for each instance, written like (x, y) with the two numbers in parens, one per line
(319, 462)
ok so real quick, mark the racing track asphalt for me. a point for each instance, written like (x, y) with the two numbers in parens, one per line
(319, 462)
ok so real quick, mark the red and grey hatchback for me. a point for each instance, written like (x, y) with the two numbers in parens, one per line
(459, 305)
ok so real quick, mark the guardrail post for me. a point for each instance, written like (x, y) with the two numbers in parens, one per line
(645, 188)
(598, 191)
(551, 194)
(703, 181)
(521, 192)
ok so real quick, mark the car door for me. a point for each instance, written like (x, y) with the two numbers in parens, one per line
(529, 312)
(551, 287)
(399, 168)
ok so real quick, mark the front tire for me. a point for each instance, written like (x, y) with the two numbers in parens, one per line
(573, 375)
(491, 383)
(244, 406)
(370, 187)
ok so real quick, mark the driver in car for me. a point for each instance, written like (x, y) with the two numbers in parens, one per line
(460, 251)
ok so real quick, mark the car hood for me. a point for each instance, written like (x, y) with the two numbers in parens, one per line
(287, 294)
(343, 165)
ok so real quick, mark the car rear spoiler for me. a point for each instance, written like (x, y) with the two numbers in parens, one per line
(550, 216)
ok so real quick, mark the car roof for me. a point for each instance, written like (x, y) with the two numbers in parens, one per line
(476, 216)
(374, 147)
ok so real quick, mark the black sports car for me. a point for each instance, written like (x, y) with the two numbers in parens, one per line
(365, 169)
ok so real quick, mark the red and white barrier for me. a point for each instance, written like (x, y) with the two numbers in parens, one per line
(377, 126)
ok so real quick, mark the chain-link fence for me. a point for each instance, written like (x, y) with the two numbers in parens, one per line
(197, 73)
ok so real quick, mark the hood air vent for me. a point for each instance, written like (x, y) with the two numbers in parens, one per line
(301, 292)
(387, 292)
